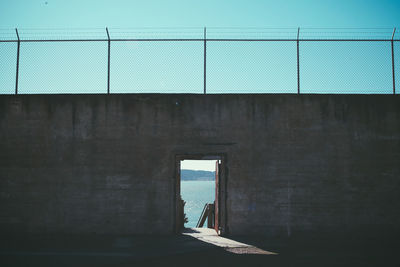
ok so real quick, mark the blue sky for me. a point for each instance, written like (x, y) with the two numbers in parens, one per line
(194, 13)
(139, 67)
(207, 165)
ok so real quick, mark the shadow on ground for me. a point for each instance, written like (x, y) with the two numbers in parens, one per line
(190, 249)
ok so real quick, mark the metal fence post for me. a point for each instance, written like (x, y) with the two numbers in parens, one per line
(393, 72)
(205, 60)
(298, 62)
(108, 66)
(17, 71)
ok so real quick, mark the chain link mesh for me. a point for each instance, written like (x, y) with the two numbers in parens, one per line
(346, 67)
(251, 67)
(59, 61)
(8, 52)
(63, 68)
(156, 67)
(396, 48)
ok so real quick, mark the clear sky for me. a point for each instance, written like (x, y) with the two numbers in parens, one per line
(195, 13)
(206, 165)
(139, 67)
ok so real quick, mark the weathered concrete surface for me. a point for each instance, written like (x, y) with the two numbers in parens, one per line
(314, 164)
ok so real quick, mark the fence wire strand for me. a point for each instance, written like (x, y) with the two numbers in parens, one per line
(216, 60)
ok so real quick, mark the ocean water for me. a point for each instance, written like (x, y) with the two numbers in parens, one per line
(196, 194)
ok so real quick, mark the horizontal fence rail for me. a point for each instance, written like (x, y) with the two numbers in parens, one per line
(200, 61)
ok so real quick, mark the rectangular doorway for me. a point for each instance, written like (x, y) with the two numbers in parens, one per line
(200, 192)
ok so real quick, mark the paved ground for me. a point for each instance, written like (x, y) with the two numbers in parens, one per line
(195, 247)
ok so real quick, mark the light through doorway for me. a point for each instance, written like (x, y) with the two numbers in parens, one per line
(198, 191)
(200, 195)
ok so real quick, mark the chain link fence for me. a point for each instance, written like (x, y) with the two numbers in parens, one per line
(199, 61)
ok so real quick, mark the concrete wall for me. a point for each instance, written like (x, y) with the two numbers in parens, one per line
(311, 164)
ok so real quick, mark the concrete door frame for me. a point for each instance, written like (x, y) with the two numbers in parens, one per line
(223, 230)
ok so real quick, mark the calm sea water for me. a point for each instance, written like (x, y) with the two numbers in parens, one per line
(196, 194)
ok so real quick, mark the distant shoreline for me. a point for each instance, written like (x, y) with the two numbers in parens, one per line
(193, 175)
(197, 180)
